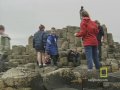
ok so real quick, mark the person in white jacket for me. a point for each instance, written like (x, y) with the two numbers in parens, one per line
(4, 39)
(2, 31)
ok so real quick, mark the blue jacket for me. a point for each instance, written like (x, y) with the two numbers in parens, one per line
(39, 40)
(51, 45)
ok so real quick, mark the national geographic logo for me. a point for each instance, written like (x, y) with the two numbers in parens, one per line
(103, 72)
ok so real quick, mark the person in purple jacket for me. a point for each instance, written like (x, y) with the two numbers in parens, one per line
(51, 46)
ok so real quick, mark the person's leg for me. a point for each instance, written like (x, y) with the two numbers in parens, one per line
(78, 59)
(95, 57)
(54, 58)
(39, 58)
(99, 50)
(88, 52)
(100, 53)
(74, 60)
(43, 59)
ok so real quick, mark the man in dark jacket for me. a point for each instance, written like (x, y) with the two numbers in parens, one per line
(39, 43)
(100, 38)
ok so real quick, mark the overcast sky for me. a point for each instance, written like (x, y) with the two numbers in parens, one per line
(22, 17)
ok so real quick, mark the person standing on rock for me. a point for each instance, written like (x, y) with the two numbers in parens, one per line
(2, 31)
(88, 32)
(4, 48)
(81, 10)
(100, 38)
(51, 46)
(39, 43)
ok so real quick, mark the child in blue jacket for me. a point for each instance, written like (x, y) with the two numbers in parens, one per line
(51, 46)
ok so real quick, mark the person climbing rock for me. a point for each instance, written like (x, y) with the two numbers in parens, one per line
(51, 46)
(74, 57)
(100, 38)
(39, 43)
(88, 32)
(81, 10)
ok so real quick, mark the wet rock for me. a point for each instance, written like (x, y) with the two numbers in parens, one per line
(66, 89)
(19, 77)
(63, 54)
(30, 41)
(63, 76)
(65, 45)
(60, 42)
(47, 69)
(10, 88)
(114, 77)
(110, 39)
(30, 65)
(3, 66)
(14, 77)
(24, 89)
(18, 50)
(114, 67)
(64, 61)
(2, 85)
(12, 64)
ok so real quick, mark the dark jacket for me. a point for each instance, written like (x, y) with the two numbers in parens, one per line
(100, 34)
(88, 32)
(39, 40)
(51, 45)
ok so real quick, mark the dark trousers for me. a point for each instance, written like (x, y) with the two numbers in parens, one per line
(54, 59)
(100, 52)
(92, 56)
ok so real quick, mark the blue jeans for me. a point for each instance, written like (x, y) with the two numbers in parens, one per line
(92, 56)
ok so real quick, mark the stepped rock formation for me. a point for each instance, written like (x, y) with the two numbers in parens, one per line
(22, 73)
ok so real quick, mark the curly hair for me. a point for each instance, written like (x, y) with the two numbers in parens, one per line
(41, 27)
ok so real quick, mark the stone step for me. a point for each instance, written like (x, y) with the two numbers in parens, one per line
(114, 77)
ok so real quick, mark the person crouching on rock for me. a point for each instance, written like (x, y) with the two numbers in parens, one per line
(88, 32)
(39, 42)
(51, 46)
(74, 57)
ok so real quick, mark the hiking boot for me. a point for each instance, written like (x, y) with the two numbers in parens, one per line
(40, 65)
(44, 65)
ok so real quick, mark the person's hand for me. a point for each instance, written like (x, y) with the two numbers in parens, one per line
(102, 41)
(75, 34)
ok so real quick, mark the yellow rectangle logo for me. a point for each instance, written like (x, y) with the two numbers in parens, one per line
(103, 72)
